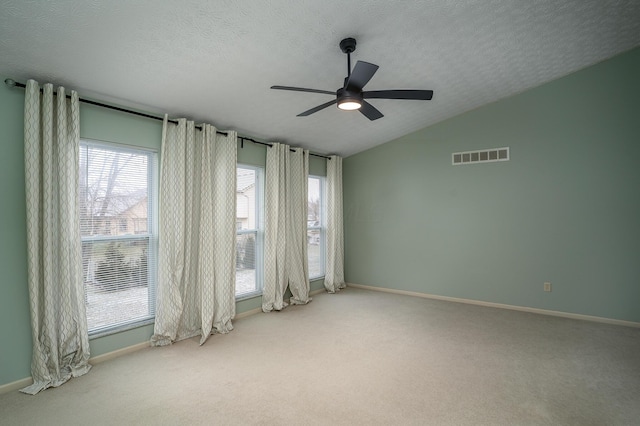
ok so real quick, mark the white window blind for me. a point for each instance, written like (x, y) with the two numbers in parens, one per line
(316, 226)
(119, 237)
(249, 225)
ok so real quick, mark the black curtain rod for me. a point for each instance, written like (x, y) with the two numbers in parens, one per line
(13, 83)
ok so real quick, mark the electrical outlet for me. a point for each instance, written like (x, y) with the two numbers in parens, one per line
(547, 286)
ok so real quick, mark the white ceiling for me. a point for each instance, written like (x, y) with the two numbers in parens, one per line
(214, 61)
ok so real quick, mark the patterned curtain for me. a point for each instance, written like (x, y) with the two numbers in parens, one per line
(56, 291)
(285, 257)
(334, 276)
(197, 246)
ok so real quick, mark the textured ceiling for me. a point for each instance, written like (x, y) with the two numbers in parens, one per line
(214, 61)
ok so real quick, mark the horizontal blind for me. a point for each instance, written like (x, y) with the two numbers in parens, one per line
(119, 243)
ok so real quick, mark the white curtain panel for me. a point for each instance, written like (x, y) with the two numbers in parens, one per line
(297, 226)
(56, 290)
(197, 246)
(285, 254)
(334, 274)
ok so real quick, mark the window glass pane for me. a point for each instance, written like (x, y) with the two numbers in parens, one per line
(117, 281)
(316, 268)
(313, 199)
(246, 199)
(249, 237)
(246, 264)
(118, 249)
(315, 227)
(113, 191)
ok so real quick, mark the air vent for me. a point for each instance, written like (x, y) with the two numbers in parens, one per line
(483, 156)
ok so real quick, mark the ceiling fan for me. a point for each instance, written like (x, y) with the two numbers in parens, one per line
(351, 96)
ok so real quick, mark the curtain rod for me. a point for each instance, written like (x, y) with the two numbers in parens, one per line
(12, 83)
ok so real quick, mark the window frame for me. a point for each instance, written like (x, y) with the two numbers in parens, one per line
(151, 235)
(322, 226)
(258, 232)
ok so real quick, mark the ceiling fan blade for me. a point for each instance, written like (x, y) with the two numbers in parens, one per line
(424, 95)
(318, 108)
(303, 89)
(370, 111)
(361, 74)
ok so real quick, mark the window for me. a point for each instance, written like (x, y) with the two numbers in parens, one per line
(119, 234)
(249, 236)
(316, 226)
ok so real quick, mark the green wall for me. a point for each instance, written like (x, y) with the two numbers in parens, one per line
(564, 209)
(95, 123)
(15, 323)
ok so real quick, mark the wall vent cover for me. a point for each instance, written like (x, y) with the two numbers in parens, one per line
(482, 156)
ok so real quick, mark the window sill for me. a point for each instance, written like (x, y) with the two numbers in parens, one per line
(118, 329)
(246, 296)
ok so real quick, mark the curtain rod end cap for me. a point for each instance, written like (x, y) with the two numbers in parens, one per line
(9, 82)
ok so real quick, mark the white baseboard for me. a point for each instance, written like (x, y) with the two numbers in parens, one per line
(259, 310)
(318, 291)
(501, 306)
(117, 353)
(19, 384)
(129, 349)
(248, 313)
(14, 386)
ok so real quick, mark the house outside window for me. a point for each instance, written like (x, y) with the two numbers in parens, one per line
(119, 235)
(249, 231)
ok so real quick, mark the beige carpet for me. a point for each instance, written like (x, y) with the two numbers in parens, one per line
(363, 357)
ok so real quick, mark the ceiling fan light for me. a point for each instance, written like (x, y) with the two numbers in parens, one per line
(348, 100)
(349, 105)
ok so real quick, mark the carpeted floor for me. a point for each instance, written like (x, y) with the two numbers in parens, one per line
(363, 357)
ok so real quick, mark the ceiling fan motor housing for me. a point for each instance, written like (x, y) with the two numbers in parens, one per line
(343, 95)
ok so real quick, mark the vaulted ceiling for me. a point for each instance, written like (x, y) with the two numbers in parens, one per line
(215, 61)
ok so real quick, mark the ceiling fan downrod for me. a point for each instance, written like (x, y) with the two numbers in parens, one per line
(347, 46)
